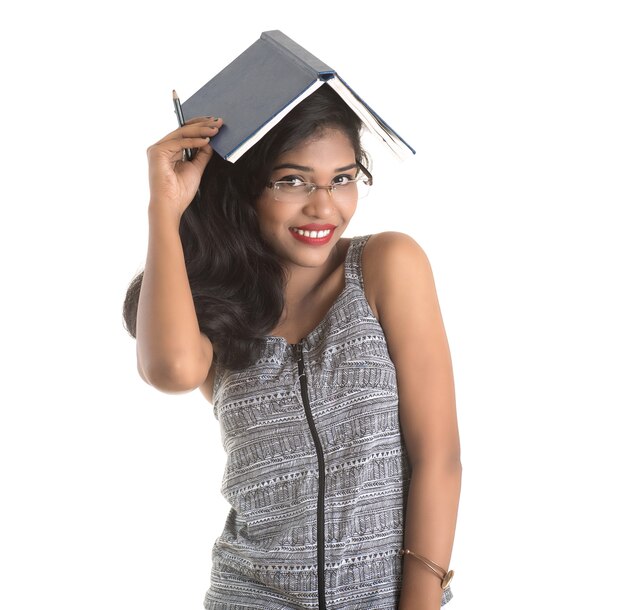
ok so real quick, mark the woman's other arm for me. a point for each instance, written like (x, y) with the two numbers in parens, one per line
(172, 354)
(405, 299)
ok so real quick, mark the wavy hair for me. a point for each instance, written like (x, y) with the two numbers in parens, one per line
(236, 279)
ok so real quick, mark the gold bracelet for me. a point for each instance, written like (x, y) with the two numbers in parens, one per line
(446, 577)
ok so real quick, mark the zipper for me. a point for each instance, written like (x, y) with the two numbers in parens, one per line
(321, 593)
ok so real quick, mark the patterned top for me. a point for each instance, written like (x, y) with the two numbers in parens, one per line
(316, 470)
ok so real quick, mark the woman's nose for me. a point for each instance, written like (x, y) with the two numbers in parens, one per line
(320, 203)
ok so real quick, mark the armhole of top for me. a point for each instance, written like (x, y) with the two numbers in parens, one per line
(217, 379)
(354, 270)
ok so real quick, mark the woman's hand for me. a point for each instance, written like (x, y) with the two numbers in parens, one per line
(174, 182)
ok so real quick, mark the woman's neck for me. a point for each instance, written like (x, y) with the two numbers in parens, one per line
(303, 284)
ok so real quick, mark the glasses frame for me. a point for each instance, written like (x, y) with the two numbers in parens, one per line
(312, 187)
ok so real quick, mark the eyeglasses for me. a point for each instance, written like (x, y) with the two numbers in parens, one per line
(343, 191)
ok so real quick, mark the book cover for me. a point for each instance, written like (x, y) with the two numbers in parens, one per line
(257, 89)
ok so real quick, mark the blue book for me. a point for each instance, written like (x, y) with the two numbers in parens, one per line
(258, 88)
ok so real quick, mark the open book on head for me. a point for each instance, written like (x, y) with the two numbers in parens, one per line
(259, 87)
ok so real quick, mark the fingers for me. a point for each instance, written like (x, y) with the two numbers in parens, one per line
(210, 119)
(172, 148)
(193, 135)
(201, 127)
(202, 157)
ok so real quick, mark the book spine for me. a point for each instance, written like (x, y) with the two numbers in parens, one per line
(300, 55)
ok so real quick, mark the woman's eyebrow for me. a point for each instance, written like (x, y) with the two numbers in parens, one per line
(304, 168)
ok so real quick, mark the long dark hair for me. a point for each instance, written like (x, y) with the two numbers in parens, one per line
(235, 277)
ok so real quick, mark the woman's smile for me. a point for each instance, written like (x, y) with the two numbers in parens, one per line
(313, 234)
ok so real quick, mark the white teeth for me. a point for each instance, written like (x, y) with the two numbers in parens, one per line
(313, 234)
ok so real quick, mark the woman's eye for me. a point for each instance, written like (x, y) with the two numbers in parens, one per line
(342, 180)
(292, 180)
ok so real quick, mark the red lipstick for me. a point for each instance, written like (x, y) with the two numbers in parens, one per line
(313, 234)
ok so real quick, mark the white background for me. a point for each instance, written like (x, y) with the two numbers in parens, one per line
(110, 489)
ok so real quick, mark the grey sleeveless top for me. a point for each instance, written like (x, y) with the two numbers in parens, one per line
(316, 471)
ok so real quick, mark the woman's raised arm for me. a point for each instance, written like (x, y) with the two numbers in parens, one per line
(172, 354)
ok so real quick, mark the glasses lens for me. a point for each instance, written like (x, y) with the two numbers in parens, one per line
(287, 191)
(356, 189)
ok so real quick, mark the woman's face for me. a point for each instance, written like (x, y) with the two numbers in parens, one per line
(327, 158)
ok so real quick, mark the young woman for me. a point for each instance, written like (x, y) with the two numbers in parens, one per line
(325, 358)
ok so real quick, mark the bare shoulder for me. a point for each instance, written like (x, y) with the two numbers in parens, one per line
(391, 246)
(387, 259)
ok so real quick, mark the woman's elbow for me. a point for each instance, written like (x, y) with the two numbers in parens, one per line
(173, 378)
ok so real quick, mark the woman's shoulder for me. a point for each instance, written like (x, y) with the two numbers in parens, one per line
(385, 251)
(385, 257)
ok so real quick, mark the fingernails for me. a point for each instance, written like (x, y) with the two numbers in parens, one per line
(216, 119)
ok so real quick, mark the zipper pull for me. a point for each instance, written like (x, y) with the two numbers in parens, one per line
(300, 358)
